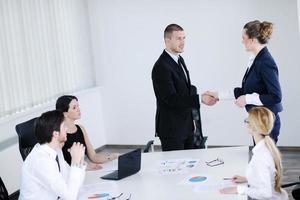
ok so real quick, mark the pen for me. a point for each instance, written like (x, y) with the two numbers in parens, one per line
(95, 196)
(227, 178)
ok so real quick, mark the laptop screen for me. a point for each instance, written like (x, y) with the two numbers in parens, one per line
(129, 163)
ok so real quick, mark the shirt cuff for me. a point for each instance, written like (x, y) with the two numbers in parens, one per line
(226, 95)
(79, 166)
(241, 189)
(253, 99)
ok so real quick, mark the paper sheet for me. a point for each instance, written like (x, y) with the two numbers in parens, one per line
(176, 166)
(101, 189)
(213, 184)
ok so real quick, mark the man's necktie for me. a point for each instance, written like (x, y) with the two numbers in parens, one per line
(57, 162)
(56, 159)
(181, 64)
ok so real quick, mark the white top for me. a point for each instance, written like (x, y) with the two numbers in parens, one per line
(41, 178)
(260, 174)
(250, 98)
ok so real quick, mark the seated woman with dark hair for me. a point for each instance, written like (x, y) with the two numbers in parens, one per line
(68, 104)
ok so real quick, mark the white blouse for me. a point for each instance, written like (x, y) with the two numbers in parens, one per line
(260, 174)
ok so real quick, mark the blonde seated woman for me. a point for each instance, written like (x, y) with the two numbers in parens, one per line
(68, 104)
(264, 171)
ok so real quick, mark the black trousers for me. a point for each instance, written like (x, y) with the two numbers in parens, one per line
(170, 144)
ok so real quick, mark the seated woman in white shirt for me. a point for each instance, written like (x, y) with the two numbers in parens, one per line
(264, 171)
(68, 104)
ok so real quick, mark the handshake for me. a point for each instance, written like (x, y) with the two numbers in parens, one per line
(209, 98)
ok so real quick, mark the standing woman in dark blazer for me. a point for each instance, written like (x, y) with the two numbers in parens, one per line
(260, 84)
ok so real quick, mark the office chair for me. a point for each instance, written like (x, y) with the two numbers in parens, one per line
(3, 191)
(26, 136)
(149, 147)
(199, 139)
(296, 193)
(296, 189)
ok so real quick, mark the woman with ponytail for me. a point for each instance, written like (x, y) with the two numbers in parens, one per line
(264, 171)
(260, 84)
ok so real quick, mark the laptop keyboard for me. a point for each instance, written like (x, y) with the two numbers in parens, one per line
(113, 175)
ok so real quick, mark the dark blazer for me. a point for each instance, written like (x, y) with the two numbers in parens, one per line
(262, 78)
(173, 99)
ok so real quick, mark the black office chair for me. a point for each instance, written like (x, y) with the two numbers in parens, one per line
(3, 191)
(296, 192)
(199, 139)
(149, 147)
(27, 138)
(296, 189)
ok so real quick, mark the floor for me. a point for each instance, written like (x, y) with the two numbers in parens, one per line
(291, 167)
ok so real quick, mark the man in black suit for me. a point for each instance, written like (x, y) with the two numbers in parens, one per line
(172, 87)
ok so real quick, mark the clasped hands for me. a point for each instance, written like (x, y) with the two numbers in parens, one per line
(211, 98)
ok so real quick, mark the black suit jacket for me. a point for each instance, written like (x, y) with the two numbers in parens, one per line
(263, 79)
(173, 99)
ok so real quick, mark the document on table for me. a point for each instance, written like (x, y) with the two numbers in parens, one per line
(195, 179)
(213, 184)
(176, 166)
(98, 190)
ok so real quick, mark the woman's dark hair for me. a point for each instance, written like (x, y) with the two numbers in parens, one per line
(262, 31)
(47, 123)
(63, 102)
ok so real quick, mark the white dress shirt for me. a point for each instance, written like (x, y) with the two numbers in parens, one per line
(41, 178)
(250, 98)
(260, 174)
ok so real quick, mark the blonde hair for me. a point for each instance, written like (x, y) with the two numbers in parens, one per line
(261, 121)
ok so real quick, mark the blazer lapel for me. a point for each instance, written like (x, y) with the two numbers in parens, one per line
(253, 64)
(176, 67)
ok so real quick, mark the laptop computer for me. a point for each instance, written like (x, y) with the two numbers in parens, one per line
(128, 164)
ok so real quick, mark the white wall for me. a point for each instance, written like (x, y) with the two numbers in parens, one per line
(298, 5)
(127, 38)
(90, 102)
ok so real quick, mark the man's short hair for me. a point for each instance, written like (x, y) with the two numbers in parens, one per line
(47, 123)
(170, 29)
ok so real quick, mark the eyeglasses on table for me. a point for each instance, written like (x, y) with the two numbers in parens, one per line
(119, 197)
(215, 162)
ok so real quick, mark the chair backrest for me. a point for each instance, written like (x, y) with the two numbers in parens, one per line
(27, 138)
(3, 191)
(296, 193)
(199, 139)
(149, 146)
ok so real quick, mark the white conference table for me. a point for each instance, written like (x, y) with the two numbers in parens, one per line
(149, 184)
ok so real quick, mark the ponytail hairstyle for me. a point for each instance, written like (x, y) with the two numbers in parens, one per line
(261, 121)
(262, 31)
